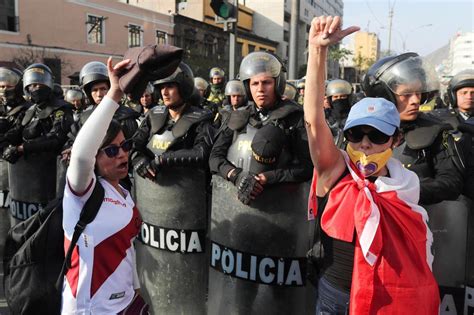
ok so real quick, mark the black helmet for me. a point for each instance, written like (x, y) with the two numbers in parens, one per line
(462, 79)
(385, 75)
(58, 90)
(91, 73)
(263, 62)
(183, 77)
(37, 73)
(12, 77)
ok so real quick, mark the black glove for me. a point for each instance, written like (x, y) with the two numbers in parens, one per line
(11, 154)
(143, 166)
(246, 186)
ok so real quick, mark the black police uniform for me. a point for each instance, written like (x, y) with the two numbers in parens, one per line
(11, 116)
(285, 114)
(434, 154)
(187, 141)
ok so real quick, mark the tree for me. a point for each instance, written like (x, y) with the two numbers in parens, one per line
(339, 54)
(362, 64)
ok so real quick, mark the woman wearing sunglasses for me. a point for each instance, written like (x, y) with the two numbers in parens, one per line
(375, 256)
(102, 278)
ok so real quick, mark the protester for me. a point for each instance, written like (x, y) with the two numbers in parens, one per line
(375, 255)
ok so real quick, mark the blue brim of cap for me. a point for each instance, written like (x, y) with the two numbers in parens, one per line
(382, 126)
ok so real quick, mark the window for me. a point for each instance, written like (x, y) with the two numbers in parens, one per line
(95, 29)
(189, 39)
(134, 35)
(251, 48)
(210, 45)
(161, 37)
(9, 21)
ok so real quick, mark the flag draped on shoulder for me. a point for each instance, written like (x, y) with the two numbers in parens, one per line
(392, 260)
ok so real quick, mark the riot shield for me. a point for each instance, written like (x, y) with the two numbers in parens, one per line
(32, 185)
(172, 253)
(4, 204)
(258, 252)
(452, 224)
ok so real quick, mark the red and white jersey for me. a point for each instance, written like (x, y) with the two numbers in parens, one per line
(100, 280)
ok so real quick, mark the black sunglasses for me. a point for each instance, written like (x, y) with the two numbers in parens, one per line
(113, 149)
(356, 134)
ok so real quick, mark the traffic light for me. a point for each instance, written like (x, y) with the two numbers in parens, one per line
(222, 8)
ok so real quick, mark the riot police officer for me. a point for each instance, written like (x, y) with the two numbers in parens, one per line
(43, 131)
(235, 99)
(172, 147)
(147, 100)
(76, 98)
(202, 95)
(217, 78)
(12, 109)
(263, 151)
(95, 84)
(461, 116)
(429, 149)
(300, 86)
(435, 152)
(338, 93)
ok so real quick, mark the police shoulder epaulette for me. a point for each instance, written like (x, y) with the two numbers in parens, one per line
(425, 135)
(192, 116)
(30, 112)
(238, 119)
(284, 110)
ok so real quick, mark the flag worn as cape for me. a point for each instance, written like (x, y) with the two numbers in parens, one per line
(392, 259)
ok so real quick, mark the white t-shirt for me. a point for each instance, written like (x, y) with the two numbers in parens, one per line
(101, 278)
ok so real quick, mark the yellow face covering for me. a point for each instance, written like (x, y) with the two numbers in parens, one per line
(368, 164)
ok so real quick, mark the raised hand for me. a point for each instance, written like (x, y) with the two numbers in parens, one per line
(115, 92)
(326, 30)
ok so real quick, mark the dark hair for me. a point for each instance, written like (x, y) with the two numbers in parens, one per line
(112, 132)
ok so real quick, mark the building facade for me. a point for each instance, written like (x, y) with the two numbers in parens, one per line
(66, 34)
(206, 35)
(366, 49)
(461, 52)
(272, 20)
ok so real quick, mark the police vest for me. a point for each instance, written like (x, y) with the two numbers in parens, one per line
(419, 148)
(35, 121)
(160, 141)
(240, 121)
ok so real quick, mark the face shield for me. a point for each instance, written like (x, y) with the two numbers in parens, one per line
(411, 75)
(200, 83)
(338, 87)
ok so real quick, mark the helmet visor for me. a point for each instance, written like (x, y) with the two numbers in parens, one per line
(37, 76)
(412, 75)
(8, 77)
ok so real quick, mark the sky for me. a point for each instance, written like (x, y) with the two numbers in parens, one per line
(423, 25)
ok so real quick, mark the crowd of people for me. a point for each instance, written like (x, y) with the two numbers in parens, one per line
(197, 169)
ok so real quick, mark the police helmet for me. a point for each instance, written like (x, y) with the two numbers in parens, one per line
(234, 87)
(58, 90)
(462, 79)
(11, 77)
(150, 89)
(73, 94)
(37, 73)
(216, 72)
(263, 62)
(200, 83)
(290, 91)
(183, 77)
(91, 73)
(383, 77)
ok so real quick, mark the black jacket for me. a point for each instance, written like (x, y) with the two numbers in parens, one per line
(300, 167)
(433, 152)
(193, 142)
